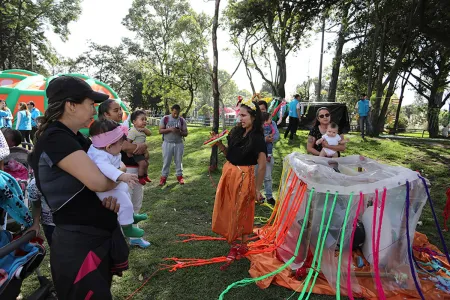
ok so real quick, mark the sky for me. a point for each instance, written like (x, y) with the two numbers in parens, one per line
(300, 65)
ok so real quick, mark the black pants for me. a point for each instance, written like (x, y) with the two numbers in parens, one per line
(292, 127)
(33, 133)
(26, 137)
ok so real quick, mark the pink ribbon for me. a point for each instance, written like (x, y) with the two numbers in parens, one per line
(108, 138)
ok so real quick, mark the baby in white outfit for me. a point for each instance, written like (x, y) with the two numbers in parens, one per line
(107, 139)
(333, 139)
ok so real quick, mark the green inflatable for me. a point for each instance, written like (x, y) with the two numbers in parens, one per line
(18, 86)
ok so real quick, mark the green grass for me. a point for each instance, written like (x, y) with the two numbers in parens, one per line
(187, 209)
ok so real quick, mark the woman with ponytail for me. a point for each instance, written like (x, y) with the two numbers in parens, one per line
(88, 247)
(23, 124)
(238, 189)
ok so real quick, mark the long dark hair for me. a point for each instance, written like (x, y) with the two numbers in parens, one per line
(103, 108)
(237, 133)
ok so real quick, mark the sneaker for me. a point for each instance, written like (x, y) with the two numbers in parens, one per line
(131, 231)
(141, 243)
(271, 201)
(162, 181)
(142, 181)
(269, 158)
(180, 179)
(233, 252)
(139, 217)
(147, 179)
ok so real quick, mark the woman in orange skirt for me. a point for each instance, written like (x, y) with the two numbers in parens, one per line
(238, 188)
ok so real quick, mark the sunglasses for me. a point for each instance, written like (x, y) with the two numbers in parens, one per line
(324, 116)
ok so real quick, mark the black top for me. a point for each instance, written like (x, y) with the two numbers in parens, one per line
(69, 199)
(315, 132)
(236, 155)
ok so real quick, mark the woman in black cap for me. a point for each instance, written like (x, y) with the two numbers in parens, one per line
(88, 247)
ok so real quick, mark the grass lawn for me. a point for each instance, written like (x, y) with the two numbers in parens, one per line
(187, 209)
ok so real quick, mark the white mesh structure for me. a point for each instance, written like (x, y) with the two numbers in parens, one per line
(353, 175)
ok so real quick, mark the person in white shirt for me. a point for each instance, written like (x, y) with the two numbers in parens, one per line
(333, 139)
(107, 139)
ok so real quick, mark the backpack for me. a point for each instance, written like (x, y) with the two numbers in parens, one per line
(166, 120)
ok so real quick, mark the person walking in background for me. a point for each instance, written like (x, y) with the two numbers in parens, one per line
(363, 107)
(174, 129)
(35, 113)
(23, 123)
(294, 115)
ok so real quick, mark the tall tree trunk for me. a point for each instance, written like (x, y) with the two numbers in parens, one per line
(434, 108)
(400, 101)
(319, 85)
(250, 78)
(213, 161)
(336, 65)
(281, 92)
(166, 106)
(379, 126)
(224, 125)
(191, 93)
(372, 61)
(379, 82)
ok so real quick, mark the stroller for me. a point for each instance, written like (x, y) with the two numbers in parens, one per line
(20, 254)
(16, 164)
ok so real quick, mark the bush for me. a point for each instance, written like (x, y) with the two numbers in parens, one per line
(402, 124)
(205, 110)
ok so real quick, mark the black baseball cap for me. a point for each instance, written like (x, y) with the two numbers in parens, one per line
(75, 88)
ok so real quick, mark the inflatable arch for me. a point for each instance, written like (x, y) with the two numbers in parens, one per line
(18, 86)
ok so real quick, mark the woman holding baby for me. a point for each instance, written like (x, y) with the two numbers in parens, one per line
(321, 141)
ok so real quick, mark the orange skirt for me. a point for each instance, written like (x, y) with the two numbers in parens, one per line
(234, 207)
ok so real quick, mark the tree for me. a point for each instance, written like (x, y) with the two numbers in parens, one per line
(416, 113)
(394, 23)
(266, 88)
(23, 43)
(190, 66)
(351, 15)
(214, 159)
(173, 47)
(304, 90)
(434, 20)
(279, 28)
(433, 62)
(244, 93)
(113, 66)
(241, 43)
(228, 89)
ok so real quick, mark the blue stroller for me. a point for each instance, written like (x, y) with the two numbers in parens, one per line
(20, 256)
